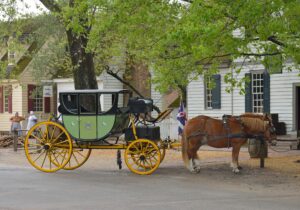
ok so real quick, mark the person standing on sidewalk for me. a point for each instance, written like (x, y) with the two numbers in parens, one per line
(15, 124)
(32, 120)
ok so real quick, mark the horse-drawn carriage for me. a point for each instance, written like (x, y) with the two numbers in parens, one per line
(95, 119)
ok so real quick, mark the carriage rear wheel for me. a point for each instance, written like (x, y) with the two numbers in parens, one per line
(48, 146)
(78, 158)
(142, 156)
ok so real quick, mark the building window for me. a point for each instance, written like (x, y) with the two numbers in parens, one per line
(213, 92)
(37, 99)
(6, 95)
(208, 94)
(257, 92)
(11, 58)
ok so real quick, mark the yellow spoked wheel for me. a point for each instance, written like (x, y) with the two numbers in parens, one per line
(48, 146)
(78, 158)
(162, 150)
(142, 156)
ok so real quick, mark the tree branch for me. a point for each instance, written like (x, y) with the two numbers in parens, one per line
(116, 76)
(51, 5)
(260, 54)
(275, 41)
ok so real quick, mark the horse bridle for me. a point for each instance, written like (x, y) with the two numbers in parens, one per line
(272, 128)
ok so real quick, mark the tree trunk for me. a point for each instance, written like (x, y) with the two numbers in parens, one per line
(82, 62)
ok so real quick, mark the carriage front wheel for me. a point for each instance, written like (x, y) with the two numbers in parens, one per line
(142, 156)
(48, 146)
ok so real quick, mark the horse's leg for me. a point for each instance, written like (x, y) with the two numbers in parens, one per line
(194, 162)
(235, 157)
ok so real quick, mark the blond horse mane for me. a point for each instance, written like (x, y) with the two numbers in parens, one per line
(254, 122)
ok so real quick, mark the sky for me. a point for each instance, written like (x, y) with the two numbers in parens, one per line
(30, 6)
(24, 7)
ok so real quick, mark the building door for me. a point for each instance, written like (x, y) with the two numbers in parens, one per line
(298, 108)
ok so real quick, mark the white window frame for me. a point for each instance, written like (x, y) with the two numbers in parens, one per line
(38, 100)
(208, 94)
(257, 80)
(11, 57)
(6, 93)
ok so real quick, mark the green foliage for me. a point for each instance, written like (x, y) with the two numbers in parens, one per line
(177, 41)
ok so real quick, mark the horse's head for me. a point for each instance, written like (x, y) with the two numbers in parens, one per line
(269, 129)
(257, 124)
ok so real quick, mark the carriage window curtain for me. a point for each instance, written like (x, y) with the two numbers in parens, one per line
(266, 93)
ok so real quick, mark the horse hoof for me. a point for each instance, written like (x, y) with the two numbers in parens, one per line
(236, 171)
(195, 170)
(240, 167)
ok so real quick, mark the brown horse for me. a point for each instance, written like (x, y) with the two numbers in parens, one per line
(232, 132)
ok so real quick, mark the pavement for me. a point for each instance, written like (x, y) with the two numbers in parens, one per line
(100, 185)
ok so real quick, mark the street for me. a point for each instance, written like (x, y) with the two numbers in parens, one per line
(97, 186)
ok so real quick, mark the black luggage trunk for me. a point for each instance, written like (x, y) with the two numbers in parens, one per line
(143, 132)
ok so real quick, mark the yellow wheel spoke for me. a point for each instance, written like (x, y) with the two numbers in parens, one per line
(136, 148)
(147, 146)
(39, 156)
(36, 138)
(61, 142)
(148, 164)
(50, 164)
(80, 154)
(42, 135)
(65, 152)
(53, 132)
(75, 157)
(33, 144)
(44, 159)
(151, 163)
(35, 151)
(57, 137)
(57, 162)
(47, 133)
(134, 152)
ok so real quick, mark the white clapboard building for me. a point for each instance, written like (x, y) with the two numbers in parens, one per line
(276, 93)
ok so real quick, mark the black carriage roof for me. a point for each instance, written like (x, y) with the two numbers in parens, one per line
(97, 91)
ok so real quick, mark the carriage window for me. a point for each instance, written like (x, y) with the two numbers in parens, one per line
(70, 103)
(106, 102)
(87, 103)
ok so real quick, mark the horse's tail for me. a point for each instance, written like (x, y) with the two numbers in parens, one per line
(184, 149)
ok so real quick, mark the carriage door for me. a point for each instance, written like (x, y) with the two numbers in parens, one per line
(87, 117)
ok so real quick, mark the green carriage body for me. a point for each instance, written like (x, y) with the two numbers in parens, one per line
(87, 118)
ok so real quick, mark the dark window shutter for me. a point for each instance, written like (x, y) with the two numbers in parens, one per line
(10, 99)
(266, 101)
(1, 99)
(47, 104)
(248, 94)
(30, 88)
(216, 92)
